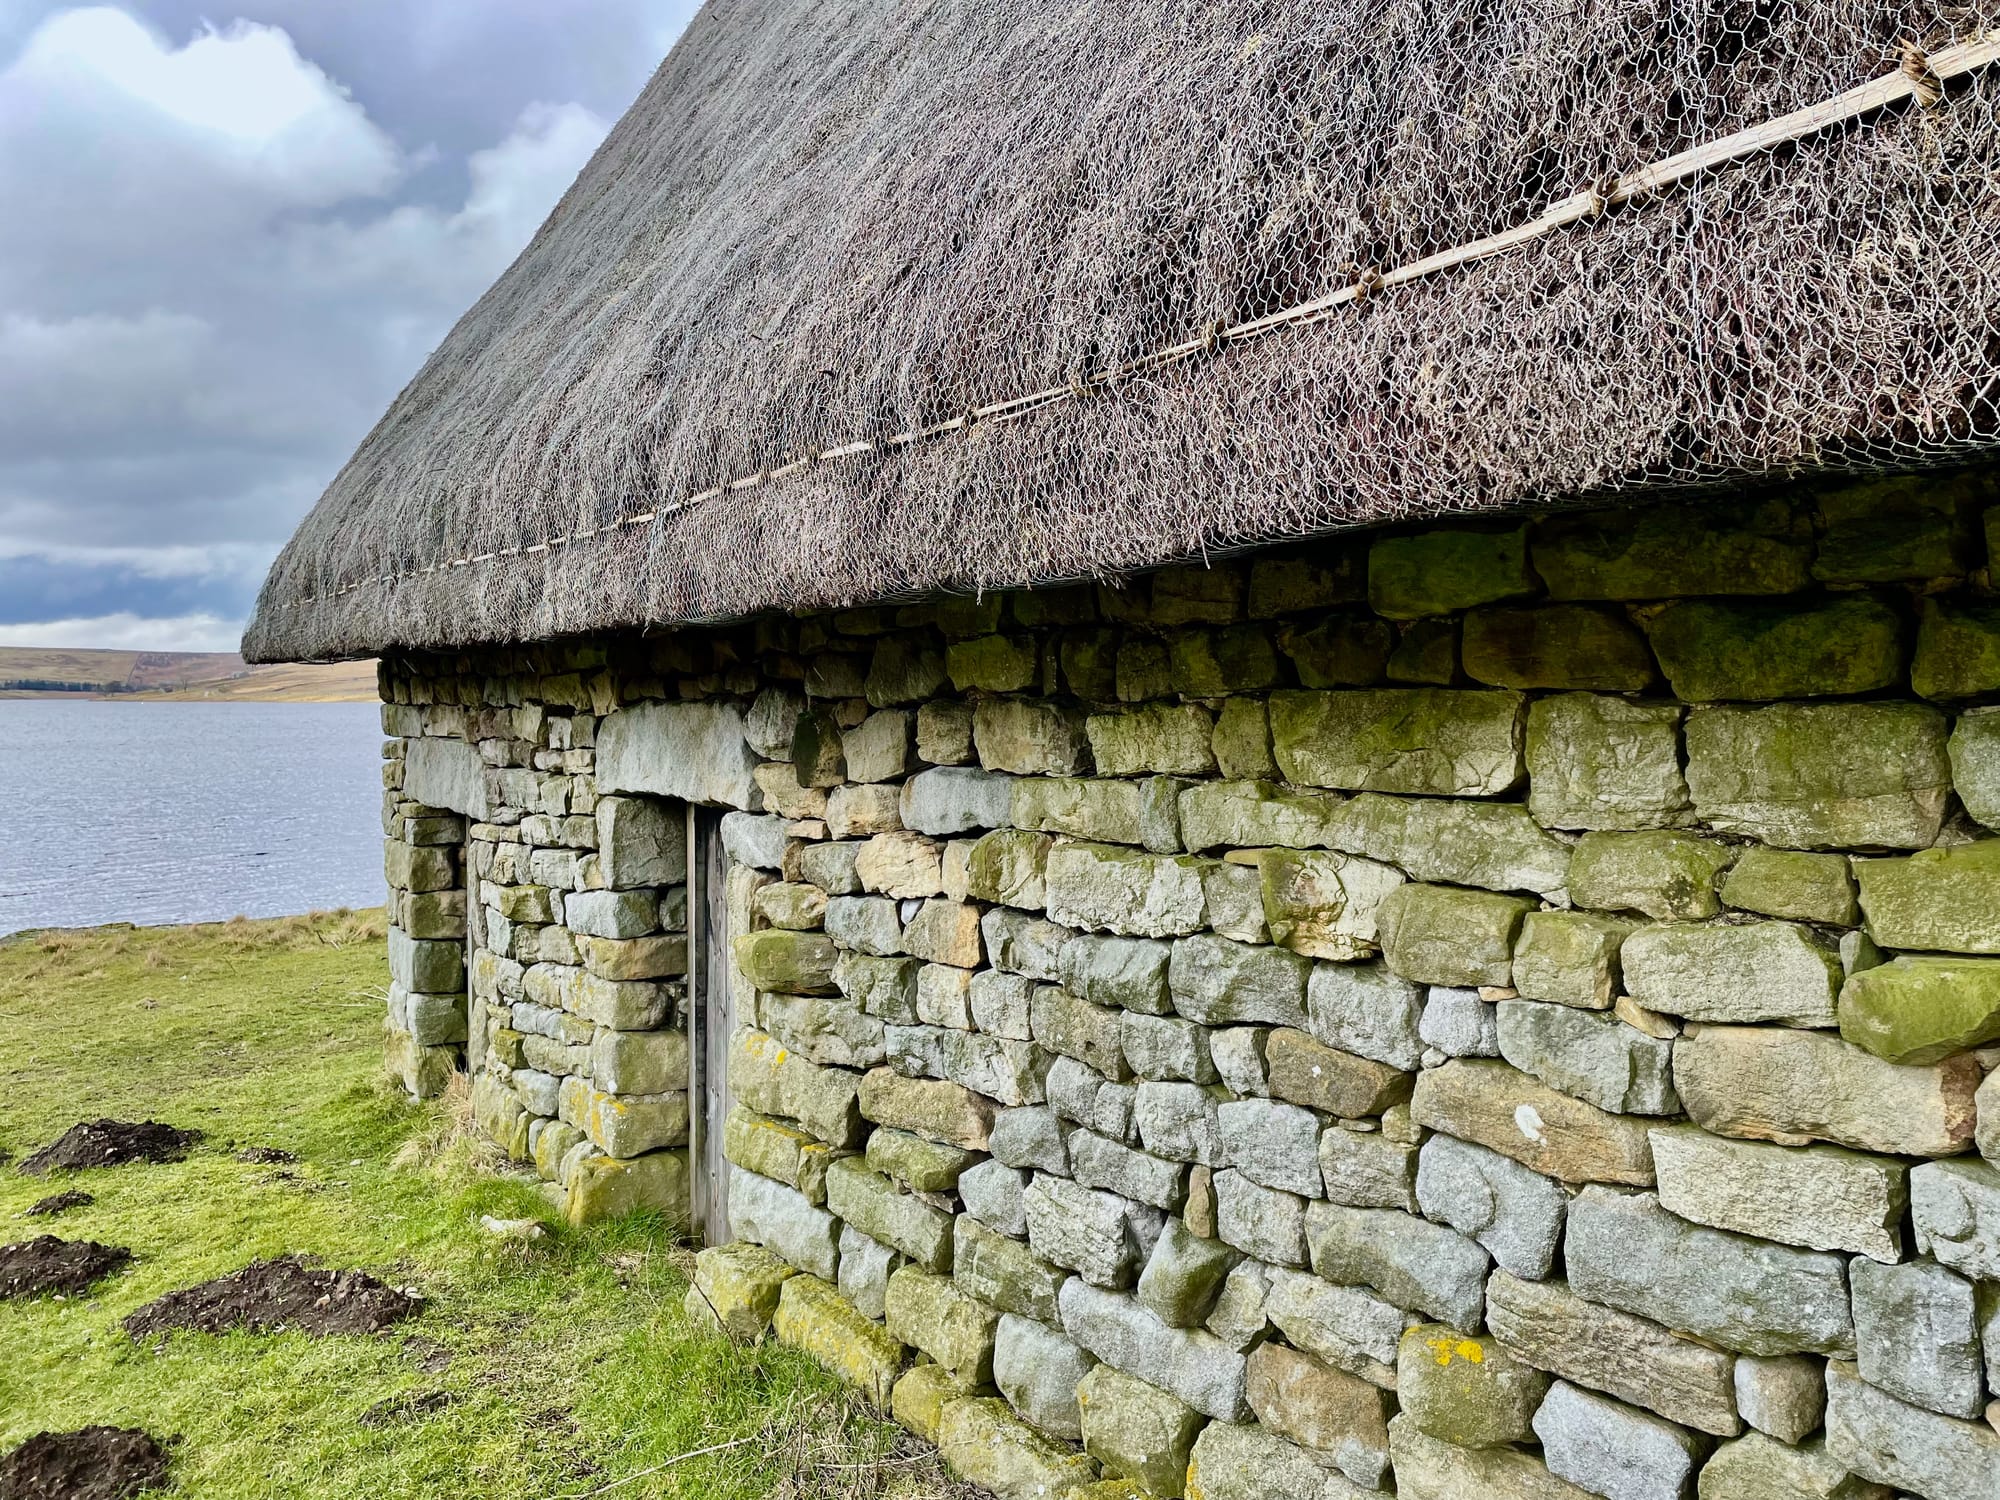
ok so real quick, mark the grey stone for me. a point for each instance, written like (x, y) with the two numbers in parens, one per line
(1955, 1206)
(1663, 874)
(1411, 1261)
(1458, 1023)
(1263, 1223)
(1096, 1162)
(1031, 1138)
(1427, 741)
(640, 842)
(1604, 763)
(995, 1194)
(1890, 1442)
(878, 748)
(1781, 1394)
(1436, 934)
(1000, 1004)
(1732, 973)
(1494, 845)
(695, 752)
(1178, 1121)
(1615, 1450)
(865, 924)
(780, 1219)
(1073, 1027)
(1366, 1010)
(956, 799)
(425, 967)
(1021, 944)
(773, 721)
(1191, 1364)
(872, 1204)
(1251, 1463)
(1820, 1197)
(1515, 1213)
(1235, 901)
(1756, 1298)
(1348, 1327)
(1184, 1276)
(1276, 1145)
(1166, 1049)
(1430, 1469)
(933, 1314)
(1590, 1055)
(865, 1269)
(829, 1032)
(1129, 973)
(753, 839)
(1101, 886)
(1238, 1055)
(1112, 812)
(1221, 983)
(1756, 1468)
(1004, 1273)
(1102, 1237)
(831, 867)
(1917, 1331)
(1366, 1169)
(1975, 763)
(1007, 1071)
(1038, 1371)
(1238, 1315)
(1548, 1326)
(448, 773)
(1256, 815)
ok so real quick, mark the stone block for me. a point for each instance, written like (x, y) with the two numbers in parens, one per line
(1100, 886)
(1755, 1468)
(884, 987)
(1107, 811)
(1499, 1107)
(944, 732)
(1661, 552)
(609, 1187)
(1368, 1011)
(1615, 1450)
(1570, 958)
(791, 963)
(640, 843)
(1714, 649)
(902, 864)
(859, 812)
(995, 1194)
(1020, 944)
(1515, 1214)
(1238, 1053)
(1589, 1055)
(1494, 845)
(1342, 1420)
(933, 1314)
(1306, 1071)
(1428, 1468)
(1073, 1027)
(1338, 650)
(1557, 646)
(694, 752)
(829, 1032)
(1191, 1364)
(1457, 1023)
(1955, 1208)
(1605, 764)
(945, 932)
(1784, 883)
(1958, 649)
(1219, 983)
(1782, 1394)
(1262, 1222)
(1348, 1327)
(1256, 815)
(735, 1288)
(1165, 1049)
(920, 1165)
(831, 867)
(1436, 934)
(1917, 1010)
(995, 663)
(1273, 1144)
(1177, 1120)
(1463, 1389)
(984, 1443)
(1817, 776)
(622, 1005)
(629, 1125)
(1940, 899)
(1795, 1087)
(944, 1112)
(1323, 905)
(944, 996)
(661, 956)
(1426, 741)
(1184, 1276)
(1003, 1272)
(1168, 739)
(955, 799)
(426, 967)
(1231, 1462)
(1040, 1372)
(1916, 1330)
(1443, 572)
(1663, 874)
(1031, 1139)
(1137, 1430)
(1411, 1261)
(1130, 973)
(758, 842)
(1102, 1237)
(783, 1221)
(1009, 866)
(1743, 1294)
(1975, 763)
(905, 1223)
(1818, 1197)
(1366, 1169)
(1029, 736)
(1097, 1162)
(865, 1269)
(796, 905)
(1891, 1442)
(815, 1319)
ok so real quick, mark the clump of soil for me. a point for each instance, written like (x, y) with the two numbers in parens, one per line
(269, 1295)
(111, 1143)
(45, 1265)
(265, 1156)
(98, 1463)
(60, 1203)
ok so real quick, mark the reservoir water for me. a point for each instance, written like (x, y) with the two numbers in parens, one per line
(186, 812)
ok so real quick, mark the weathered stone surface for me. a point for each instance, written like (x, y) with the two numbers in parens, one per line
(768, 1078)
(1028, 736)
(1324, 905)
(1437, 934)
(1464, 1389)
(1499, 1107)
(1794, 1087)
(640, 842)
(1756, 1468)
(900, 864)
(1493, 845)
(1102, 1237)
(995, 1194)
(1557, 646)
(1262, 1222)
(814, 1318)
(1458, 1023)
(1137, 1430)
(1184, 1275)
(1975, 763)
(1103, 887)
(885, 987)
(1210, 663)
(1256, 815)
(856, 812)
(1039, 1372)
(1432, 742)
(1346, 1326)
(1008, 866)
(986, 1444)
(1782, 1394)
(1409, 1260)
(933, 1314)
(1818, 776)
(865, 1269)
(735, 1288)
(1919, 1010)
(871, 1203)
(1570, 957)
(1031, 1138)
(1590, 1055)
(1191, 1364)
(1342, 1419)
(1548, 1326)
(791, 904)
(793, 963)
(1987, 1133)
(1713, 649)
(629, 1125)
(1890, 1442)
(942, 1112)
(997, 663)
(920, 1165)
(1109, 811)
(831, 1032)
(830, 867)
(1664, 874)
(1955, 1207)
(1218, 982)
(1784, 883)
(1430, 1469)
(1271, 1143)
(1916, 1328)
(608, 1187)
(945, 932)
(1243, 741)
(1003, 1272)
(1958, 649)
(1734, 972)
(1171, 739)
(1130, 973)
(944, 731)
(1610, 764)
(1306, 1071)
(1368, 1011)
(1615, 1450)
(1514, 1213)
(1442, 572)
(426, 967)
(1073, 1027)
(1366, 1169)
(695, 752)
(954, 799)
(1166, 1049)
(1744, 1294)
(1819, 1197)
(1177, 1120)
(1659, 552)
(1940, 899)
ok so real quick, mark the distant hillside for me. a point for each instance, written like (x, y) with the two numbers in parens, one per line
(37, 672)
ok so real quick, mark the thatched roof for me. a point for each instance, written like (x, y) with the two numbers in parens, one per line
(827, 224)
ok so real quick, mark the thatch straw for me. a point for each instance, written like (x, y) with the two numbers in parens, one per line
(829, 224)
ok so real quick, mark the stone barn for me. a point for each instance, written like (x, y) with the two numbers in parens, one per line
(1256, 745)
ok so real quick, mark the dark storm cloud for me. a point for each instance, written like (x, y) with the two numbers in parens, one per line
(229, 243)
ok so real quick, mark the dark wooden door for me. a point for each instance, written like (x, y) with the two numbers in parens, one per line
(711, 1020)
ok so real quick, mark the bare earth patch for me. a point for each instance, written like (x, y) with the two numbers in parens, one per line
(46, 1265)
(265, 1156)
(269, 1295)
(111, 1143)
(59, 1203)
(97, 1463)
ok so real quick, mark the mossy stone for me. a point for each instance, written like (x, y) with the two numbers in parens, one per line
(736, 1288)
(1427, 741)
(1918, 1010)
(1427, 651)
(1089, 661)
(920, 1165)
(1073, 604)
(1440, 934)
(1556, 646)
(997, 663)
(1666, 875)
(1007, 866)
(1914, 526)
(1570, 958)
(1787, 883)
(1606, 764)
(1441, 572)
(1293, 585)
(1137, 1431)
(815, 1319)
(1958, 649)
(1157, 738)
(1339, 651)
(1243, 740)
(1714, 649)
(1975, 763)
(1666, 551)
(1940, 900)
(609, 1187)
(792, 963)
(1465, 1388)
(1144, 669)
(1216, 663)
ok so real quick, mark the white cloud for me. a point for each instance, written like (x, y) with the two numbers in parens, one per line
(129, 632)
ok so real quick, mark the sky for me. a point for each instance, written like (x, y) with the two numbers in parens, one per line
(228, 237)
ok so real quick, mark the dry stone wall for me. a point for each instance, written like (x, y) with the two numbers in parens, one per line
(1482, 1012)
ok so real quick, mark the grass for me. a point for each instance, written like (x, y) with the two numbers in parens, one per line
(561, 1367)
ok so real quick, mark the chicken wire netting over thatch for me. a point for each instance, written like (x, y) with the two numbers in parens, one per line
(772, 348)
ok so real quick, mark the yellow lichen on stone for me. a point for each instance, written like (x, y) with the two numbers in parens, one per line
(736, 1288)
(815, 1319)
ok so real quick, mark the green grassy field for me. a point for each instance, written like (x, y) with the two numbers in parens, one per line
(549, 1370)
